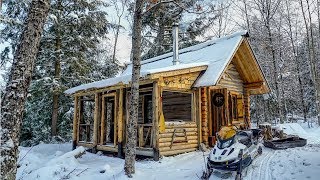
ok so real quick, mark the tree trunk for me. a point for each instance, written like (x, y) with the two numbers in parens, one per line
(315, 77)
(295, 53)
(12, 104)
(116, 41)
(118, 28)
(57, 72)
(275, 74)
(130, 153)
(311, 60)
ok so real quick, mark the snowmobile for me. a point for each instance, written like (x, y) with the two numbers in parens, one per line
(234, 150)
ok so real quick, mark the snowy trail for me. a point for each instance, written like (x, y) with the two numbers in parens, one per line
(260, 168)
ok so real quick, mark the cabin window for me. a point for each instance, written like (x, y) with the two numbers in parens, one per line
(233, 111)
(176, 106)
(87, 105)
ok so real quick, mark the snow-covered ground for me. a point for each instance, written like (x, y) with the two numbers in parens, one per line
(56, 161)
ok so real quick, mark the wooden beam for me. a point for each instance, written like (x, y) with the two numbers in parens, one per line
(96, 119)
(98, 90)
(255, 85)
(75, 123)
(80, 117)
(198, 114)
(177, 72)
(102, 121)
(120, 116)
(140, 139)
(115, 118)
(155, 103)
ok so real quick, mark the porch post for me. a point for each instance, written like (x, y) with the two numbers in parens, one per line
(155, 103)
(96, 121)
(120, 123)
(246, 99)
(75, 123)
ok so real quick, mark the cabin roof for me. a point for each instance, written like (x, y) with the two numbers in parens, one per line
(126, 78)
(215, 54)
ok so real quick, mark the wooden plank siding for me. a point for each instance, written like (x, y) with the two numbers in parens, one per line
(231, 79)
(182, 81)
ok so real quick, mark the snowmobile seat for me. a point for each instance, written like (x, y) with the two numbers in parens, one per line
(256, 132)
(245, 137)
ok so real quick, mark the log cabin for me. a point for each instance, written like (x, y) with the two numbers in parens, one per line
(186, 96)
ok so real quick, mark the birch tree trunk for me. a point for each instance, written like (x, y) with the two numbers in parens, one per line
(130, 153)
(57, 71)
(12, 104)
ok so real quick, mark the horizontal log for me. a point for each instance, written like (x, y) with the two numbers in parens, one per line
(84, 144)
(167, 135)
(178, 147)
(187, 130)
(167, 144)
(107, 148)
(180, 125)
(177, 139)
(145, 151)
(174, 152)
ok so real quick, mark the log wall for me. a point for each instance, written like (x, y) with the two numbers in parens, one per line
(204, 116)
(178, 138)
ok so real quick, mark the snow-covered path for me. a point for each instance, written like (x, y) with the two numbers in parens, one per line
(44, 162)
(260, 169)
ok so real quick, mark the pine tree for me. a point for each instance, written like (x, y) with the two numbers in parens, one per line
(70, 55)
(194, 17)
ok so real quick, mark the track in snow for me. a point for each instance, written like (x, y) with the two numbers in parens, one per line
(260, 167)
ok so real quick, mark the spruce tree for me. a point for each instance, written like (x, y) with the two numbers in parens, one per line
(70, 54)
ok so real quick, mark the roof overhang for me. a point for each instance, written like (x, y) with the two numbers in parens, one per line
(145, 77)
(249, 69)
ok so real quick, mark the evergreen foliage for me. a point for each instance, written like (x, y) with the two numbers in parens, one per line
(194, 18)
(81, 26)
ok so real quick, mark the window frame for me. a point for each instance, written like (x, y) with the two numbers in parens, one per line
(193, 103)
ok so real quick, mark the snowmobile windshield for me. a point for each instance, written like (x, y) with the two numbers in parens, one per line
(225, 137)
(224, 143)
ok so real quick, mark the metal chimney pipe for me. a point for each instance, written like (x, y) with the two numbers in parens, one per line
(175, 45)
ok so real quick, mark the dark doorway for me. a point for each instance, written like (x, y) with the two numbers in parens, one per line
(108, 121)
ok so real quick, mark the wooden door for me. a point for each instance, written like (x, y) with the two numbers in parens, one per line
(219, 107)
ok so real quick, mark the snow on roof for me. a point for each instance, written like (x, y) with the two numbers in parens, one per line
(126, 78)
(215, 54)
